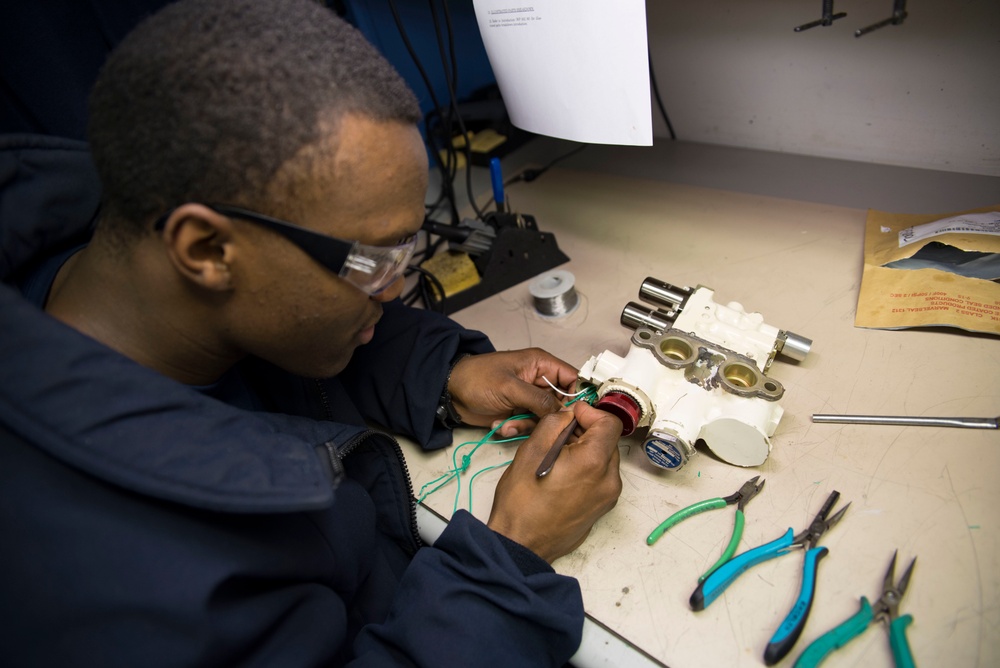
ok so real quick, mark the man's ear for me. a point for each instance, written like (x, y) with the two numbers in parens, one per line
(199, 244)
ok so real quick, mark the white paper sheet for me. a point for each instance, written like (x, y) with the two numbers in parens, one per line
(973, 223)
(572, 69)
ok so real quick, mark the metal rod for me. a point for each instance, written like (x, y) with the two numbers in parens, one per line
(968, 423)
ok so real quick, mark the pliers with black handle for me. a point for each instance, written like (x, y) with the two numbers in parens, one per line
(790, 630)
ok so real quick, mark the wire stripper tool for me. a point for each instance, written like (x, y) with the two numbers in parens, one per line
(786, 635)
(741, 498)
(886, 609)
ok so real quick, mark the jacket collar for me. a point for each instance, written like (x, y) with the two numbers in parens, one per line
(49, 196)
(98, 411)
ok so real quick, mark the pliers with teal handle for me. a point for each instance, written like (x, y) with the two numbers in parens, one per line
(790, 630)
(741, 498)
(886, 609)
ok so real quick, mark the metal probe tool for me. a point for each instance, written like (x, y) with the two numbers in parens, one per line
(553, 453)
(967, 423)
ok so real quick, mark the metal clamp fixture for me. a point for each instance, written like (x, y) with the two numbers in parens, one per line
(898, 16)
(826, 20)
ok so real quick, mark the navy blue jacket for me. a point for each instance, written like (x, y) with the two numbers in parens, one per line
(145, 523)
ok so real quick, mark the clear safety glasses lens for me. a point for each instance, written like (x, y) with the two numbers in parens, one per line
(372, 269)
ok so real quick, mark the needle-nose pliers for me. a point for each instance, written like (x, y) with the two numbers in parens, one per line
(886, 609)
(741, 498)
(790, 630)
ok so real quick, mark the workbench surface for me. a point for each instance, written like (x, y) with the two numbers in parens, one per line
(928, 492)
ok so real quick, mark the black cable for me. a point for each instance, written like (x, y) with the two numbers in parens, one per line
(446, 116)
(447, 189)
(410, 298)
(656, 92)
(450, 71)
(452, 86)
(451, 44)
(419, 290)
(419, 257)
(446, 179)
(413, 53)
(446, 119)
(529, 175)
(422, 280)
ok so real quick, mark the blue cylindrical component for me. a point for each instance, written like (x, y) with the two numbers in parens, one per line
(496, 176)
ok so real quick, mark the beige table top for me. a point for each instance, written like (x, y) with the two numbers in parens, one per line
(929, 492)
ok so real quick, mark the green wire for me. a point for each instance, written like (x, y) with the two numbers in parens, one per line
(588, 394)
(447, 478)
(476, 475)
(466, 460)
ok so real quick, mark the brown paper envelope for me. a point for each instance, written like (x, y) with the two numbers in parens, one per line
(900, 298)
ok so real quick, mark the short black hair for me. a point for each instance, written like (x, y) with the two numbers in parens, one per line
(207, 99)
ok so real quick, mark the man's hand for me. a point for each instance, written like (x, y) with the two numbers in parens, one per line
(493, 386)
(553, 515)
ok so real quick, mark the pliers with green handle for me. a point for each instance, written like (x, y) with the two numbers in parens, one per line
(790, 630)
(886, 609)
(741, 498)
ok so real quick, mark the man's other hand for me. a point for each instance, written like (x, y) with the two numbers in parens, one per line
(488, 388)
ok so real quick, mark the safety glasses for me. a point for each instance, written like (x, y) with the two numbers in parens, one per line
(371, 269)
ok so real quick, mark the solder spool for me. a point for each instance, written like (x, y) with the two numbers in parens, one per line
(553, 294)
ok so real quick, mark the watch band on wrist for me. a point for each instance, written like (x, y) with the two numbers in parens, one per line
(446, 414)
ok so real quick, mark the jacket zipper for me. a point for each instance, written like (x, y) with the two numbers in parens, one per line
(337, 456)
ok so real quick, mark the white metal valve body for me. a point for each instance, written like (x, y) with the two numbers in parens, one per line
(729, 326)
(702, 379)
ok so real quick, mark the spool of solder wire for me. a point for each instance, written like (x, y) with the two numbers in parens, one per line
(554, 294)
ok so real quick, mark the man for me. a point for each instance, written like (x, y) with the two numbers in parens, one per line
(186, 472)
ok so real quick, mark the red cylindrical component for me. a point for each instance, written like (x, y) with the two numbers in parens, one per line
(623, 407)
